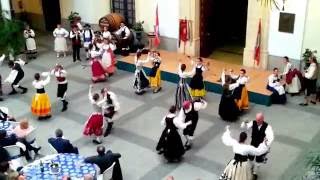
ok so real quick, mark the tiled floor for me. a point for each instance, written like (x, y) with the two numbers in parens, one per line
(137, 126)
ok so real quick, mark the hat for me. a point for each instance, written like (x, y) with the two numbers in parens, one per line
(186, 104)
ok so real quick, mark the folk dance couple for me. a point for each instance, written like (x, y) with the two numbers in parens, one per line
(103, 60)
(141, 82)
(41, 106)
(104, 105)
(248, 158)
(234, 97)
(170, 143)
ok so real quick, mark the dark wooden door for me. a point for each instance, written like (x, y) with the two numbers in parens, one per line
(206, 36)
(51, 13)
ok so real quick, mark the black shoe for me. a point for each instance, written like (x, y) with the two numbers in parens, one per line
(303, 104)
(24, 90)
(41, 118)
(47, 117)
(187, 147)
(1, 99)
(13, 92)
(96, 142)
(36, 150)
(87, 59)
(254, 177)
(65, 106)
(313, 102)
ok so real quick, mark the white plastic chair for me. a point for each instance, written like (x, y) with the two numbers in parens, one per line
(107, 174)
(31, 136)
(16, 159)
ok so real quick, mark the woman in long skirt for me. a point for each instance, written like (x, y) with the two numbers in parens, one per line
(98, 73)
(108, 57)
(41, 105)
(155, 73)
(228, 109)
(197, 83)
(240, 93)
(183, 91)
(170, 143)
(94, 124)
(141, 81)
(239, 168)
(31, 48)
(60, 42)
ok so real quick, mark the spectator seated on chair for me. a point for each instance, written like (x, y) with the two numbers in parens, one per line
(104, 160)
(62, 145)
(23, 129)
(5, 171)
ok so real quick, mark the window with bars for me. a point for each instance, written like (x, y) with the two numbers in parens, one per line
(126, 8)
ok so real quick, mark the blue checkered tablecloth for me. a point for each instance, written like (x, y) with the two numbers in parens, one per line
(71, 165)
(5, 125)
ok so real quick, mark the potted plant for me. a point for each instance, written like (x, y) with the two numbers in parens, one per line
(74, 18)
(11, 33)
(306, 55)
(138, 28)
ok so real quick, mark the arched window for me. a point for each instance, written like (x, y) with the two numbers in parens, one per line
(126, 8)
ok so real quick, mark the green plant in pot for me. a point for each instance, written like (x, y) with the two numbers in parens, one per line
(138, 28)
(306, 56)
(11, 33)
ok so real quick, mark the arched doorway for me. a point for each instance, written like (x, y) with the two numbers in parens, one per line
(223, 29)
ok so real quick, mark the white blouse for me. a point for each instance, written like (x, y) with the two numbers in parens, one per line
(269, 131)
(242, 149)
(42, 83)
(178, 121)
(107, 35)
(29, 34)
(60, 73)
(311, 71)
(60, 33)
(13, 73)
(273, 81)
(243, 80)
(185, 74)
(287, 68)
(231, 86)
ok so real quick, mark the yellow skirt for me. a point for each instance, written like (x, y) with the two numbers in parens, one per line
(243, 103)
(155, 82)
(198, 92)
(40, 105)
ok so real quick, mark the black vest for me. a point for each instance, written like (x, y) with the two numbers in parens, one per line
(258, 135)
(191, 115)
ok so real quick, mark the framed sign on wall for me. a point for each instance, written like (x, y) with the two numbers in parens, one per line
(286, 22)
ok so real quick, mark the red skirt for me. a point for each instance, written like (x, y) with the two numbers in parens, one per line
(98, 72)
(94, 125)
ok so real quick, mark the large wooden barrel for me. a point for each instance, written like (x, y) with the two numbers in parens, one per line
(112, 20)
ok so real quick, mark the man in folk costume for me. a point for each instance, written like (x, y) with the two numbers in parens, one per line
(191, 111)
(124, 33)
(75, 35)
(88, 36)
(15, 76)
(61, 77)
(1, 60)
(110, 108)
(31, 48)
(260, 131)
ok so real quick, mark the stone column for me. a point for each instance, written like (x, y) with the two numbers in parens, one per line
(256, 12)
(190, 9)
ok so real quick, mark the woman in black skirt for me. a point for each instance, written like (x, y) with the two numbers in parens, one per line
(141, 81)
(170, 143)
(196, 83)
(228, 109)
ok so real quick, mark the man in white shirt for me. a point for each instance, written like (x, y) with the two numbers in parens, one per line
(124, 34)
(310, 81)
(15, 76)
(260, 131)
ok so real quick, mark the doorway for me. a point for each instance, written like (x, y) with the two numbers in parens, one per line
(51, 12)
(223, 29)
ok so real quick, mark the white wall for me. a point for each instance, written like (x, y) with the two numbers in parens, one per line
(5, 6)
(90, 11)
(312, 27)
(287, 44)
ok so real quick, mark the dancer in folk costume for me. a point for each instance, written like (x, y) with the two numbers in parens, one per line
(88, 36)
(183, 90)
(61, 76)
(197, 83)
(41, 105)
(60, 42)
(1, 61)
(31, 48)
(108, 57)
(228, 109)
(155, 73)
(275, 85)
(240, 93)
(310, 81)
(98, 73)
(94, 125)
(170, 143)
(110, 108)
(141, 81)
(261, 131)
(15, 76)
(292, 77)
(76, 36)
(239, 168)
(106, 33)
(191, 112)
